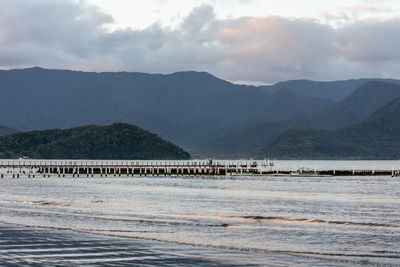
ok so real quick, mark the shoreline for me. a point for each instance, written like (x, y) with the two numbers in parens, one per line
(40, 246)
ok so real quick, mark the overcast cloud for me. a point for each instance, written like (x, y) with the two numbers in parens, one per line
(74, 35)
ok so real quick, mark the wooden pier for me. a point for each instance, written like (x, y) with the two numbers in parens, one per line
(99, 168)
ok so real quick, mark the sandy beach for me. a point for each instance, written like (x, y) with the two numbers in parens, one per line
(30, 246)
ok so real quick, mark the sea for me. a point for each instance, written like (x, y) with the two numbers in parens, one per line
(203, 220)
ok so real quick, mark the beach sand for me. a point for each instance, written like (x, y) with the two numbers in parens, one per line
(29, 246)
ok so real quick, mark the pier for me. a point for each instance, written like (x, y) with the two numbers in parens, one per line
(116, 168)
(91, 168)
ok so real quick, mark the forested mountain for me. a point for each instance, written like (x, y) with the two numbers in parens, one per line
(354, 108)
(244, 141)
(376, 137)
(199, 112)
(362, 102)
(117, 141)
(185, 107)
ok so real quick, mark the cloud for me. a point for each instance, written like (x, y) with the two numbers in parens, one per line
(72, 34)
(362, 9)
(47, 32)
(349, 14)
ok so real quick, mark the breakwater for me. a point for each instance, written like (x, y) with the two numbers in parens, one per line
(113, 168)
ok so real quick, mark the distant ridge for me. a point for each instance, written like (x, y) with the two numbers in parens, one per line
(195, 110)
(117, 141)
(332, 90)
(354, 108)
(245, 141)
(376, 137)
(186, 107)
(365, 100)
(4, 130)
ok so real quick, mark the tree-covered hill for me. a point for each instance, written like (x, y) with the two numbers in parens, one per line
(117, 141)
(376, 137)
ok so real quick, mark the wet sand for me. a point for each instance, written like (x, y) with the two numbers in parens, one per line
(32, 246)
(28, 246)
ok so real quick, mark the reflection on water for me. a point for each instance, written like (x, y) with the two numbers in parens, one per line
(339, 219)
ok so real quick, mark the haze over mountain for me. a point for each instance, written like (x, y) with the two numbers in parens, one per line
(376, 137)
(117, 141)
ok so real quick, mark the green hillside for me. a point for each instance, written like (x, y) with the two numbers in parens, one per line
(376, 137)
(117, 141)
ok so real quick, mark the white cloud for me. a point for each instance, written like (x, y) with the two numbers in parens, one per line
(72, 34)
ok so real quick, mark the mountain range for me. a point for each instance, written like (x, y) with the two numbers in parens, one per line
(331, 90)
(375, 137)
(201, 113)
(185, 107)
(352, 109)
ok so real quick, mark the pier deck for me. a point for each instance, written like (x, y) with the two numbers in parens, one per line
(114, 168)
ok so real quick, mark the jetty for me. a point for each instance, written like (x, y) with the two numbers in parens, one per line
(29, 168)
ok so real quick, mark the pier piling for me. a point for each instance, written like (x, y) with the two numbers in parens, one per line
(48, 168)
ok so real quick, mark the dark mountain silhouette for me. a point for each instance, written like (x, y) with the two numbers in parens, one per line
(186, 107)
(196, 110)
(354, 108)
(117, 141)
(332, 90)
(357, 106)
(376, 137)
(245, 141)
(4, 130)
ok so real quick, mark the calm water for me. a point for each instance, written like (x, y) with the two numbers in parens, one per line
(274, 221)
(340, 164)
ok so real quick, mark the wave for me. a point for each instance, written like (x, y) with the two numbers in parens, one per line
(170, 237)
(123, 219)
(190, 221)
(275, 218)
(305, 220)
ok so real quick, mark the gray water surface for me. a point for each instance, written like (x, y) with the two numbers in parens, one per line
(273, 221)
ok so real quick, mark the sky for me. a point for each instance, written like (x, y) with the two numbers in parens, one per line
(244, 41)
